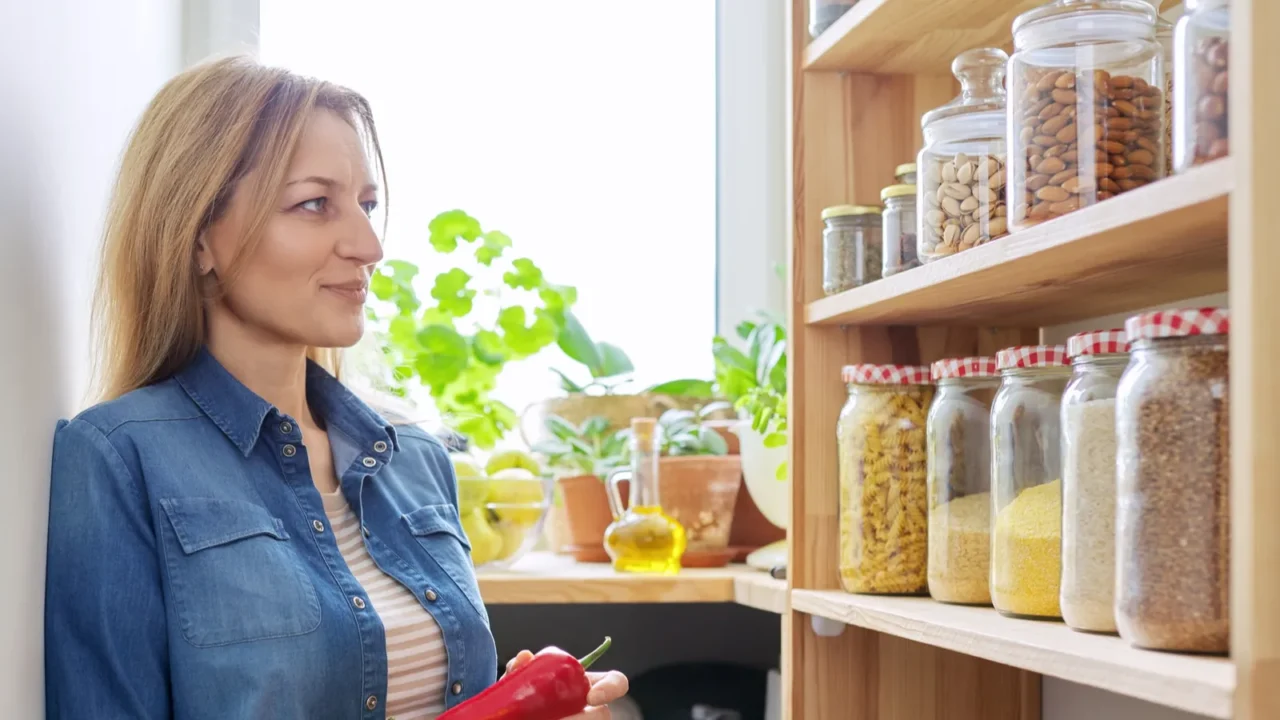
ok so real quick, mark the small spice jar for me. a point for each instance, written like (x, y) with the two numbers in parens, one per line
(905, 174)
(1173, 522)
(1089, 479)
(1202, 43)
(1026, 457)
(899, 228)
(851, 246)
(883, 509)
(959, 459)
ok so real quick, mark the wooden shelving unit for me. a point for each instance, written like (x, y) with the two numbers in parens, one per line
(856, 95)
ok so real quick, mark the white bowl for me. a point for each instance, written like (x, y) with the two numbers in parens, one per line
(760, 470)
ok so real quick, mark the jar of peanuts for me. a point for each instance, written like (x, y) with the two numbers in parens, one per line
(1173, 483)
(1086, 110)
(880, 438)
(962, 193)
(1201, 59)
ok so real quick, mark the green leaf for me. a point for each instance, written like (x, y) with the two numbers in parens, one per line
(731, 357)
(775, 368)
(595, 427)
(447, 227)
(781, 472)
(613, 361)
(495, 241)
(524, 275)
(452, 293)
(712, 443)
(560, 427)
(775, 440)
(744, 329)
(687, 387)
(445, 354)
(567, 384)
(558, 298)
(382, 286)
(402, 271)
(403, 332)
(735, 383)
(488, 347)
(577, 344)
(522, 337)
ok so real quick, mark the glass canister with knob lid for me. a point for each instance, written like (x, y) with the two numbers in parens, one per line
(962, 195)
(1201, 51)
(1026, 480)
(1086, 110)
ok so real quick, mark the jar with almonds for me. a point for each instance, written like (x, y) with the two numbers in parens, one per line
(962, 194)
(1086, 111)
(1201, 56)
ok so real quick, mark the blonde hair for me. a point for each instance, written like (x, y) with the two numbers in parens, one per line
(193, 148)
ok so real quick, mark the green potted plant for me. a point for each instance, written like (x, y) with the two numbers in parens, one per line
(582, 454)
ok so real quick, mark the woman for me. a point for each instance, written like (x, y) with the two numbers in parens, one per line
(232, 533)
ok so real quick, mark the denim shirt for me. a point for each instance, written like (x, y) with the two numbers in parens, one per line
(192, 572)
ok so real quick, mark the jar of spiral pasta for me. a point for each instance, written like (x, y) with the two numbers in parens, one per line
(959, 455)
(1026, 479)
(882, 479)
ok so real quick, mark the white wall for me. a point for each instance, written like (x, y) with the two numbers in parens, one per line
(74, 75)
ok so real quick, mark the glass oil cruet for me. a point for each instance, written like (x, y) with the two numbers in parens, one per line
(642, 538)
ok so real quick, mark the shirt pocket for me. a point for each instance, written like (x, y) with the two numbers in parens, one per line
(438, 529)
(232, 573)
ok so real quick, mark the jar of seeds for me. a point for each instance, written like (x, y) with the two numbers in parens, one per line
(1089, 479)
(1173, 521)
(959, 463)
(899, 229)
(851, 247)
(962, 195)
(1202, 57)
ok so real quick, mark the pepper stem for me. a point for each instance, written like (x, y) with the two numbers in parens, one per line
(594, 655)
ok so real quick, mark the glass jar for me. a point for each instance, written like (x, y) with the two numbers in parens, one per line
(822, 13)
(899, 229)
(959, 460)
(1173, 522)
(851, 247)
(1086, 119)
(1026, 492)
(905, 174)
(1202, 65)
(883, 509)
(1089, 480)
(1164, 36)
(964, 160)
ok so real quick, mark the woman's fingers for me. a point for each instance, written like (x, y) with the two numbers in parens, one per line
(521, 658)
(606, 687)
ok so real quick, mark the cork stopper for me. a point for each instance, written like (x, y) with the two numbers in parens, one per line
(642, 428)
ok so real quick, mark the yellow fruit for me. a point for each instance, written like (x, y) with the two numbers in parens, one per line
(512, 458)
(515, 485)
(512, 539)
(486, 543)
(523, 515)
(465, 466)
(473, 492)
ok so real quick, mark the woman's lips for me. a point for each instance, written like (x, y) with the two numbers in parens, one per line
(352, 293)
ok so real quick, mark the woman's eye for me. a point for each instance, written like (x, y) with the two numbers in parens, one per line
(313, 205)
(369, 206)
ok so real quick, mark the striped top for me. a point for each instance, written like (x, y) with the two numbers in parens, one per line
(417, 663)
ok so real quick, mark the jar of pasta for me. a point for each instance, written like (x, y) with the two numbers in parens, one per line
(883, 509)
(1026, 478)
(959, 460)
(1089, 479)
(1173, 521)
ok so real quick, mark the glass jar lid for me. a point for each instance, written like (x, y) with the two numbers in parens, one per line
(1098, 342)
(981, 74)
(894, 191)
(1182, 322)
(1031, 356)
(1065, 22)
(877, 374)
(847, 210)
(904, 169)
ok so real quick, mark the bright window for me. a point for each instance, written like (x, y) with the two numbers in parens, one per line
(583, 129)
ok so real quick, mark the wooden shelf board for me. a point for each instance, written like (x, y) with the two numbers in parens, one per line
(761, 591)
(1193, 683)
(1159, 243)
(545, 578)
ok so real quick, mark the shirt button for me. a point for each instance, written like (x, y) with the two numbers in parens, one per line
(366, 530)
(369, 462)
(371, 702)
(358, 602)
(289, 450)
(456, 688)
(286, 427)
(431, 595)
(319, 526)
(380, 446)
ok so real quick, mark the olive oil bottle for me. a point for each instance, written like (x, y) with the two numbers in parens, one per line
(642, 538)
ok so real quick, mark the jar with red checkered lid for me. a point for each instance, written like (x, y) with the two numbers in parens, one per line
(882, 479)
(1089, 479)
(959, 454)
(1026, 479)
(1173, 531)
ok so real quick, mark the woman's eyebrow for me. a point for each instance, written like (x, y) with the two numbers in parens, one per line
(328, 182)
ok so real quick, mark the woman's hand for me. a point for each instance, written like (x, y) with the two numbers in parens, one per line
(605, 688)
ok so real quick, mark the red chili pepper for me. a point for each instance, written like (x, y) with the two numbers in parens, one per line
(551, 686)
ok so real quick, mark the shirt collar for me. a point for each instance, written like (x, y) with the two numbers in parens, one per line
(240, 413)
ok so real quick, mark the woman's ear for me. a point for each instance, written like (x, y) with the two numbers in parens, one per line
(204, 258)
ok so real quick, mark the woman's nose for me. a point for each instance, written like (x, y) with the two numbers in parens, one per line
(360, 242)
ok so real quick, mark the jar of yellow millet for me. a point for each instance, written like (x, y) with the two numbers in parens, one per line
(882, 479)
(1026, 479)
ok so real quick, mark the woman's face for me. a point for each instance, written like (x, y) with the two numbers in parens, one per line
(306, 281)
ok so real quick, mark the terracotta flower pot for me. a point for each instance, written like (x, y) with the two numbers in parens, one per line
(701, 492)
(586, 510)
